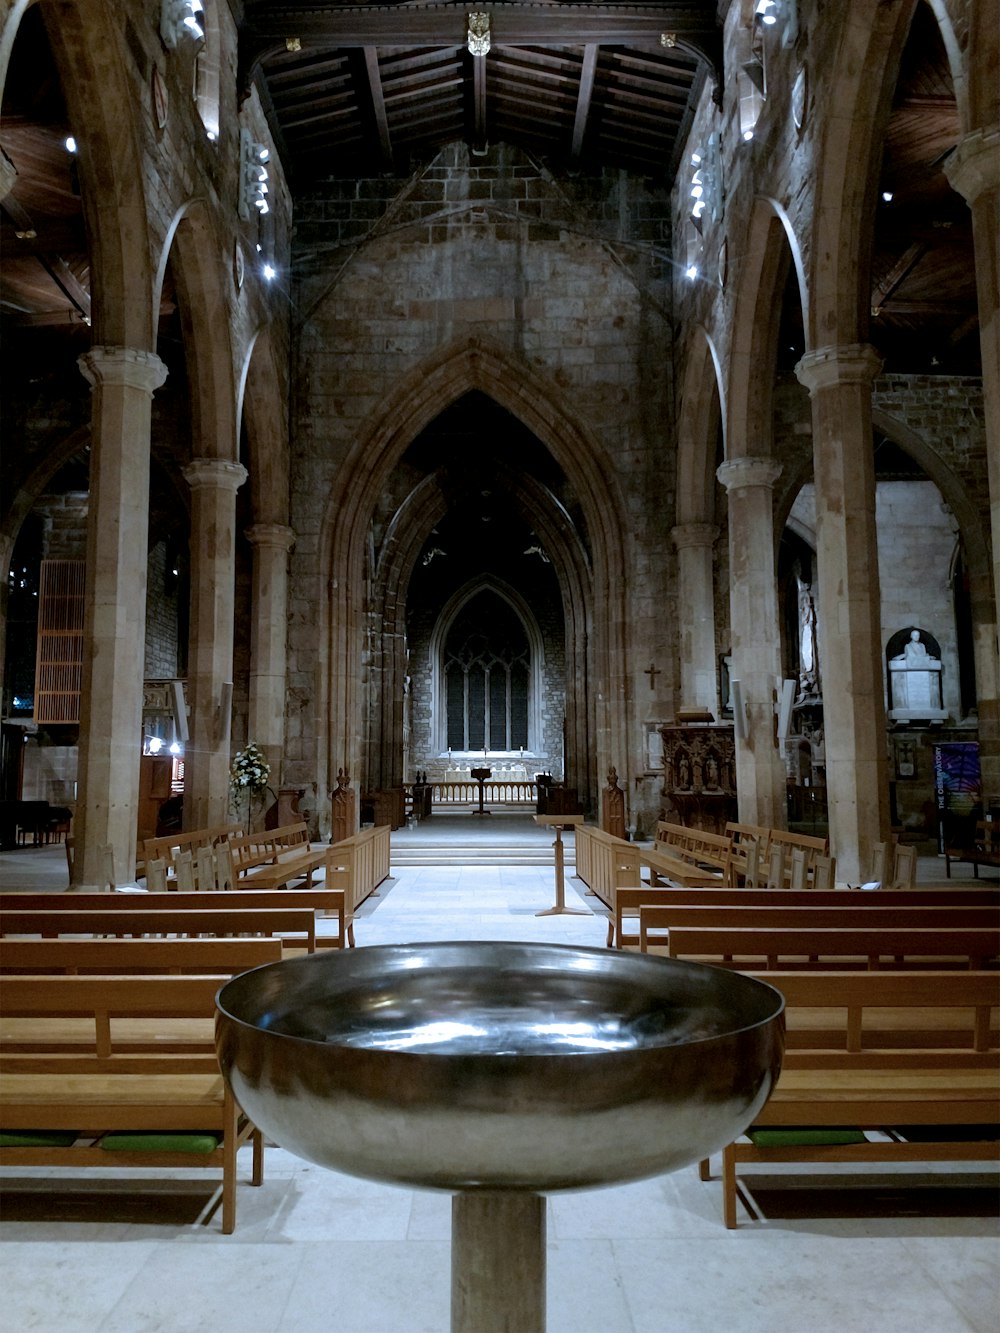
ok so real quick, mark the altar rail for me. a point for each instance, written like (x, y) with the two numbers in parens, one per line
(495, 792)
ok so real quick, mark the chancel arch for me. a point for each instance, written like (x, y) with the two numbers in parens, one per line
(594, 714)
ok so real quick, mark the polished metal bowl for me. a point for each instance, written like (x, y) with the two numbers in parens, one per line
(492, 1066)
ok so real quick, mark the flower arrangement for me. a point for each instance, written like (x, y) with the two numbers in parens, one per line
(249, 771)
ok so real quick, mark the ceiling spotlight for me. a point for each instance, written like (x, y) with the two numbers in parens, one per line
(765, 11)
(691, 272)
(887, 196)
(70, 144)
(747, 135)
(270, 273)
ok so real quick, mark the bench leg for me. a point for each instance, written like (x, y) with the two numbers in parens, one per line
(705, 1169)
(611, 933)
(729, 1186)
(257, 1139)
(230, 1141)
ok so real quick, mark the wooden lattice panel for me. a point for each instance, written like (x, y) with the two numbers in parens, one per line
(59, 662)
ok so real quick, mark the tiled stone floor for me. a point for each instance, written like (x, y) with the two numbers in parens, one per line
(912, 1251)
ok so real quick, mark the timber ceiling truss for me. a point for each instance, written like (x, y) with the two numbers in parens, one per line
(583, 84)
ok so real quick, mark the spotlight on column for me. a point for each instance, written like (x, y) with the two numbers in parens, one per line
(180, 710)
(740, 727)
(785, 702)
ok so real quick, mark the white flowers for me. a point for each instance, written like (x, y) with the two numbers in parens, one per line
(249, 770)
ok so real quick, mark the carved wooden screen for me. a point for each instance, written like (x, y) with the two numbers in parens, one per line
(59, 662)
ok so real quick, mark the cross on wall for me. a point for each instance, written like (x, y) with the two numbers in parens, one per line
(652, 672)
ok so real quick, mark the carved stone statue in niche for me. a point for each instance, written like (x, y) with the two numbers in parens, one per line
(808, 685)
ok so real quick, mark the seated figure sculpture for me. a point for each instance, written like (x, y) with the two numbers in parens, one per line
(915, 678)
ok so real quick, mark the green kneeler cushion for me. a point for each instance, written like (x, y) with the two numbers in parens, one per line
(804, 1138)
(37, 1138)
(161, 1142)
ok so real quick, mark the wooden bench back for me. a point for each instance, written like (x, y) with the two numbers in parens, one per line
(830, 949)
(224, 957)
(906, 1012)
(213, 922)
(629, 901)
(656, 919)
(605, 862)
(165, 848)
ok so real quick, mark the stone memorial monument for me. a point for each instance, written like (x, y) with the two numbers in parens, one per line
(915, 684)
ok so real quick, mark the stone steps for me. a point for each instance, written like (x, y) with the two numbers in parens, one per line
(452, 854)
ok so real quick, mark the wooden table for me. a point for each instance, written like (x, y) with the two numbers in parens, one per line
(558, 823)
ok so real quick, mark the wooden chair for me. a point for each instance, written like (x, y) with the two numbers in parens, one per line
(751, 867)
(824, 874)
(904, 868)
(880, 858)
(776, 867)
(799, 870)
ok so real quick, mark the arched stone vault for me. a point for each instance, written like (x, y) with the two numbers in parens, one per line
(421, 511)
(429, 389)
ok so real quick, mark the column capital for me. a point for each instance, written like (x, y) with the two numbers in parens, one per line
(274, 535)
(129, 367)
(202, 473)
(687, 535)
(849, 363)
(738, 473)
(974, 166)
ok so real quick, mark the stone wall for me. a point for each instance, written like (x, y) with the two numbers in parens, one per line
(563, 277)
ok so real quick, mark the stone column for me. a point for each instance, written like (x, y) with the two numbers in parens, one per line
(271, 544)
(8, 175)
(760, 772)
(696, 614)
(839, 380)
(123, 380)
(974, 171)
(214, 483)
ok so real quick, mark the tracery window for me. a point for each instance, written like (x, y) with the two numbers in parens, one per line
(486, 670)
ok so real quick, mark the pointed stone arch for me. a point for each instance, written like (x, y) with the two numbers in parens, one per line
(749, 473)
(88, 47)
(596, 719)
(198, 260)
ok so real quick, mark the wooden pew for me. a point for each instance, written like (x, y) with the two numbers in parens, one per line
(167, 848)
(676, 870)
(605, 863)
(657, 920)
(271, 859)
(328, 903)
(824, 950)
(122, 957)
(123, 1081)
(630, 900)
(358, 865)
(697, 848)
(876, 1060)
(214, 922)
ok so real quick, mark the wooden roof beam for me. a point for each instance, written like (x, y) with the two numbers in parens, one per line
(587, 71)
(378, 102)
